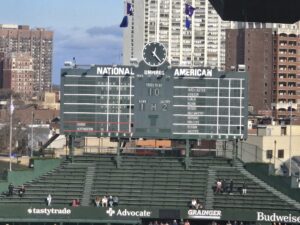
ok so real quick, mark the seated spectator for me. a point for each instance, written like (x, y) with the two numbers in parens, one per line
(97, 201)
(110, 201)
(115, 200)
(75, 203)
(194, 203)
(22, 191)
(104, 201)
(199, 203)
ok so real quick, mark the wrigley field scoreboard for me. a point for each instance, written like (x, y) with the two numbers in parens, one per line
(154, 102)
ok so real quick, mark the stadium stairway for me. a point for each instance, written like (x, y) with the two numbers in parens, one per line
(280, 195)
(209, 191)
(89, 180)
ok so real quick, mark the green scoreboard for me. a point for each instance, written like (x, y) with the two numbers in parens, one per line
(160, 102)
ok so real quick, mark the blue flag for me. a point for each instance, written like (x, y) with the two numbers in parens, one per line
(187, 23)
(129, 9)
(124, 22)
(189, 10)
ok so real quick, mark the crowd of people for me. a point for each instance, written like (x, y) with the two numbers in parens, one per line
(11, 190)
(106, 201)
(171, 222)
(227, 186)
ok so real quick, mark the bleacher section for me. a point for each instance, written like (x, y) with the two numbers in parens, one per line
(147, 181)
(256, 197)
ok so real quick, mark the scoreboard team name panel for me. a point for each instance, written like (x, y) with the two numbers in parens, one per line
(142, 102)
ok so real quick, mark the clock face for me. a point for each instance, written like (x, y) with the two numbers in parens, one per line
(154, 54)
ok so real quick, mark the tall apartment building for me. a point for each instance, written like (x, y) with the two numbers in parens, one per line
(18, 73)
(253, 48)
(38, 43)
(271, 57)
(164, 21)
(286, 73)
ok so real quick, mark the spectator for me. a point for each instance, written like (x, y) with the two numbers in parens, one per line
(110, 201)
(244, 188)
(194, 204)
(186, 222)
(104, 201)
(75, 202)
(10, 189)
(174, 222)
(224, 186)
(49, 199)
(22, 191)
(115, 200)
(97, 201)
(231, 186)
(218, 186)
(199, 203)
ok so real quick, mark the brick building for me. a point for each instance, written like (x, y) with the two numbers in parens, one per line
(38, 43)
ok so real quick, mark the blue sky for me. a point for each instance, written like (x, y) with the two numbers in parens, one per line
(85, 29)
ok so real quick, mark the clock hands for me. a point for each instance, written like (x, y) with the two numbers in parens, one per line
(154, 54)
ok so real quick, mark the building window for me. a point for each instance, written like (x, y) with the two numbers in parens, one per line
(280, 153)
(269, 154)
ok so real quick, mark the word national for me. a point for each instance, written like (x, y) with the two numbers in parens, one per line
(115, 71)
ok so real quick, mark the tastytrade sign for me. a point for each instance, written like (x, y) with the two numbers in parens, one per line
(46, 211)
(205, 214)
(277, 218)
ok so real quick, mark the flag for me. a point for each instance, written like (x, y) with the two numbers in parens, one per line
(124, 22)
(189, 10)
(12, 107)
(129, 9)
(187, 23)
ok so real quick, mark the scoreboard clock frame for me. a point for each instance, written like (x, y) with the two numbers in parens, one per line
(160, 102)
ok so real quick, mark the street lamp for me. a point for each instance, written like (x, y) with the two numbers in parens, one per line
(274, 151)
(11, 111)
(31, 152)
(290, 140)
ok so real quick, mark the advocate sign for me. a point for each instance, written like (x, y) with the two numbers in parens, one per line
(128, 213)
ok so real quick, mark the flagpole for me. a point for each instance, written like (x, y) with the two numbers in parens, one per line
(10, 130)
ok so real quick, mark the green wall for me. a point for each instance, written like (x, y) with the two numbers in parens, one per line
(41, 166)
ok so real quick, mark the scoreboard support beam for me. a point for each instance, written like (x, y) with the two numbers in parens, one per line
(235, 150)
(187, 160)
(118, 157)
(71, 147)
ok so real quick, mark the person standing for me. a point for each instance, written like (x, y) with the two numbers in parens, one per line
(231, 186)
(10, 189)
(49, 199)
(244, 188)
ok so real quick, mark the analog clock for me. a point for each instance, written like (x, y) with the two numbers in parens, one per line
(154, 54)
